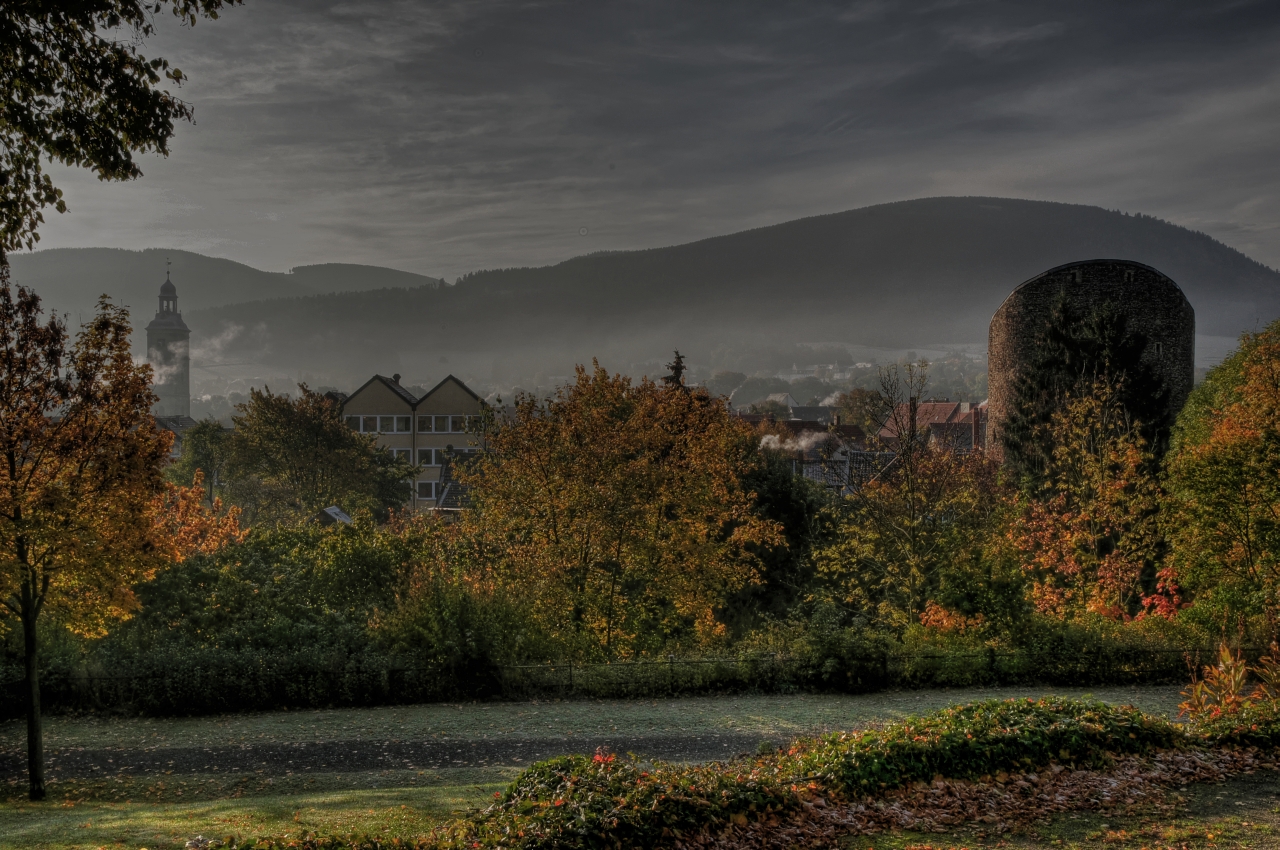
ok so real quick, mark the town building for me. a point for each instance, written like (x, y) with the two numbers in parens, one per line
(954, 425)
(169, 353)
(434, 432)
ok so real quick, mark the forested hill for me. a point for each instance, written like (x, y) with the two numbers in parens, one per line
(912, 273)
(915, 273)
(71, 279)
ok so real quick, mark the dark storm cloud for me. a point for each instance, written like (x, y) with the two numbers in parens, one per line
(446, 137)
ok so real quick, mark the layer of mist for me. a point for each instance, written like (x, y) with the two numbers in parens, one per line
(858, 286)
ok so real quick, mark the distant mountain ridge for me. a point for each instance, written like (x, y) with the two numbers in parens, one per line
(910, 273)
(71, 279)
(922, 273)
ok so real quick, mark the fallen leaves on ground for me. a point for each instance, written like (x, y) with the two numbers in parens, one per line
(944, 804)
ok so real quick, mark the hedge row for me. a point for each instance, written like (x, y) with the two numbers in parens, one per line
(199, 681)
(193, 681)
(601, 802)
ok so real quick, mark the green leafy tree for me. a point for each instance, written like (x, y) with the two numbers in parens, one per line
(1073, 353)
(206, 448)
(288, 458)
(1224, 480)
(75, 89)
(801, 509)
(921, 531)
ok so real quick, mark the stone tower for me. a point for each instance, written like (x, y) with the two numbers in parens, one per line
(1153, 305)
(169, 353)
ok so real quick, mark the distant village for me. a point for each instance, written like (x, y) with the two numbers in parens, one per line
(434, 428)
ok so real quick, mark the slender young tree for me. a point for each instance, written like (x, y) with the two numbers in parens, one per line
(206, 449)
(80, 469)
(1090, 535)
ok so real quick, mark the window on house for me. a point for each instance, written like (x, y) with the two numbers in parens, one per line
(353, 422)
(403, 454)
(370, 424)
(424, 424)
(387, 424)
(459, 424)
(427, 457)
(402, 424)
(426, 489)
(442, 423)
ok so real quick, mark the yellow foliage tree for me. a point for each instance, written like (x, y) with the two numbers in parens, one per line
(80, 469)
(617, 509)
(1091, 537)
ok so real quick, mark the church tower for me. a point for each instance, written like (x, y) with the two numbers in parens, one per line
(169, 353)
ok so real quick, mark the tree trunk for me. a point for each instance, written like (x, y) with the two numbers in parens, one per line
(35, 730)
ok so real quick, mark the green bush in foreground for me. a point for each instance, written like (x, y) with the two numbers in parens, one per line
(604, 802)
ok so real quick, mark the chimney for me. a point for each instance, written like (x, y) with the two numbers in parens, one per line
(396, 378)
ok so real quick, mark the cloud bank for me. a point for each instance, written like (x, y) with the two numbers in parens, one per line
(446, 137)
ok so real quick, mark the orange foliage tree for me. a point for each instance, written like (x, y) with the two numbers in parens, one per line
(80, 467)
(617, 508)
(186, 525)
(1225, 489)
(1090, 538)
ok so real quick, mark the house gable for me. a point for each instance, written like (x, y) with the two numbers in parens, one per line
(378, 395)
(450, 396)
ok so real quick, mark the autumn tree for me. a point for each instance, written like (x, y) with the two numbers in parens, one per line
(185, 525)
(81, 468)
(289, 458)
(75, 89)
(917, 535)
(618, 509)
(1090, 534)
(1224, 483)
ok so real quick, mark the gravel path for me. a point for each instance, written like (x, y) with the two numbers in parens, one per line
(346, 756)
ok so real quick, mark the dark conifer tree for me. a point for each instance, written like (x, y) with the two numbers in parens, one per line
(1073, 351)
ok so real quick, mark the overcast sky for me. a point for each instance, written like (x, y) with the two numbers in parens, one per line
(446, 137)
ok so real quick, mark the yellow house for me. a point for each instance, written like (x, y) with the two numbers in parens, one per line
(423, 430)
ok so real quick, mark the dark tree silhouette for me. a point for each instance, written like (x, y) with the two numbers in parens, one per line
(1072, 352)
(75, 89)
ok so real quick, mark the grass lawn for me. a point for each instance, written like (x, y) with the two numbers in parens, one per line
(163, 811)
(766, 716)
(393, 807)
